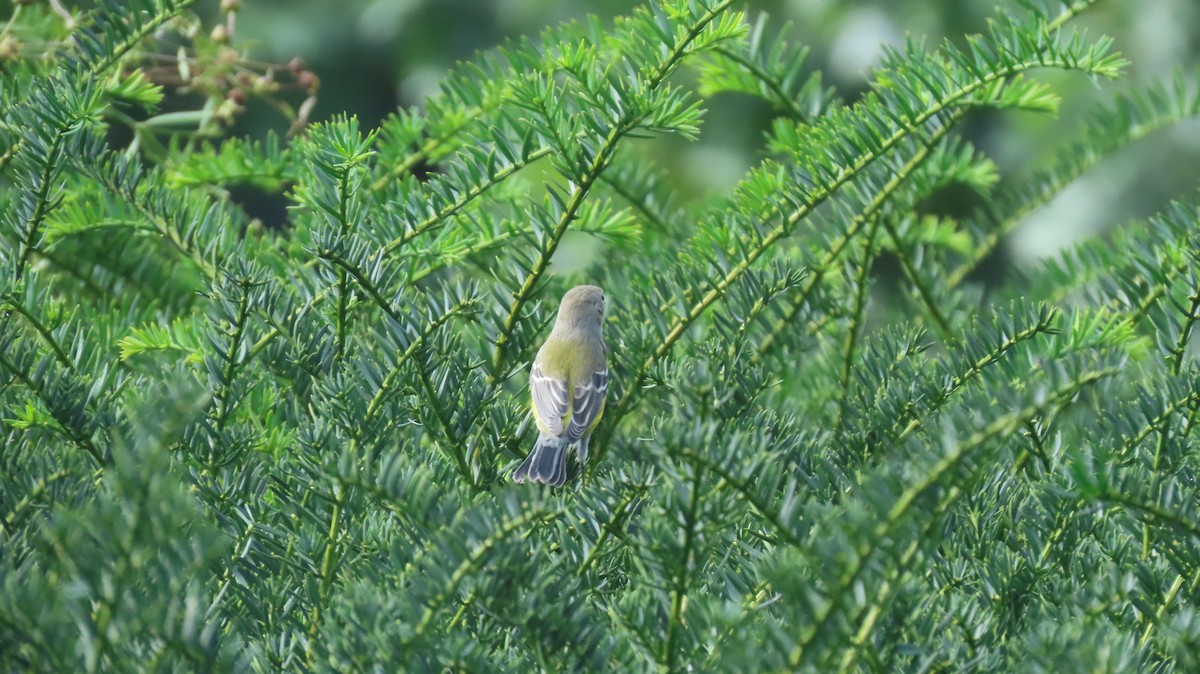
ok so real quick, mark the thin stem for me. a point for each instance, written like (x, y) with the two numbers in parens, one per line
(906, 426)
(426, 150)
(451, 443)
(17, 514)
(231, 358)
(41, 206)
(609, 530)
(909, 268)
(83, 442)
(861, 291)
(327, 563)
(783, 533)
(473, 561)
(1185, 332)
(682, 575)
(463, 200)
(779, 97)
(174, 238)
(12, 19)
(1151, 511)
(897, 572)
(654, 218)
(390, 379)
(42, 331)
(343, 287)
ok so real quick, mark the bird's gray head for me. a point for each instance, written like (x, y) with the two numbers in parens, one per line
(582, 308)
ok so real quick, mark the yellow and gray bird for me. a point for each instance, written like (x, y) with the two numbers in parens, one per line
(567, 382)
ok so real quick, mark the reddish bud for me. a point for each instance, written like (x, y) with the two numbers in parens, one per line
(308, 80)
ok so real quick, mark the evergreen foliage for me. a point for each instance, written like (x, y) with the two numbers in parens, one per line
(226, 447)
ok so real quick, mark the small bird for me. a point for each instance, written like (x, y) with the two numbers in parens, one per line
(567, 382)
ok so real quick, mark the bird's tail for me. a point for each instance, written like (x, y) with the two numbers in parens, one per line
(547, 463)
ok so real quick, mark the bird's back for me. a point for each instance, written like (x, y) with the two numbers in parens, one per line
(570, 359)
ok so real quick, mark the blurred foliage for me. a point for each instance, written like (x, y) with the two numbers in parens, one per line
(398, 50)
(262, 362)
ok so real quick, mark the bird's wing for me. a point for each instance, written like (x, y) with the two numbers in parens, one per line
(550, 401)
(588, 404)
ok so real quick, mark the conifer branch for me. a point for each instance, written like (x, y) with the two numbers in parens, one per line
(896, 573)
(997, 429)
(766, 513)
(682, 574)
(1149, 511)
(780, 96)
(231, 355)
(300, 428)
(1131, 118)
(20, 510)
(44, 332)
(103, 57)
(64, 426)
(326, 574)
(909, 267)
(179, 241)
(477, 556)
(389, 382)
(581, 186)
(41, 202)
(857, 312)
(1190, 316)
(610, 529)
(904, 427)
(427, 150)
(719, 289)
(953, 104)
(463, 199)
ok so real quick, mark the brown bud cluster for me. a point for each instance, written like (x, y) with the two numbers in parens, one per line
(10, 48)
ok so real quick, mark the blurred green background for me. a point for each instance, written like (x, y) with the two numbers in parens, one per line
(375, 55)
